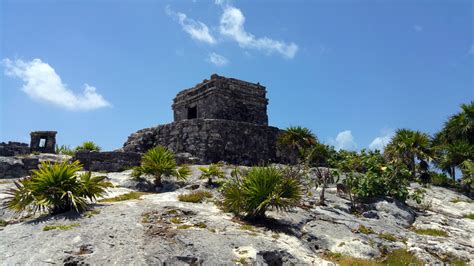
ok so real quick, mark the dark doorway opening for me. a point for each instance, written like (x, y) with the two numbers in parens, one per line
(192, 112)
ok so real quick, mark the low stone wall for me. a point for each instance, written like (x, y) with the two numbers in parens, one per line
(211, 141)
(13, 148)
(113, 161)
(14, 167)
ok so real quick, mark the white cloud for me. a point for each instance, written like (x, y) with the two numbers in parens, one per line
(232, 26)
(42, 83)
(217, 59)
(344, 140)
(418, 28)
(196, 29)
(380, 142)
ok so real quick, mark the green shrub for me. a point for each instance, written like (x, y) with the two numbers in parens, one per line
(213, 170)
(195, 197)
(60, 227)
(380, 179)
(3, 223)
(56, 187)
(261, 188)
(430, 232)
(440, 179)
(365, 230)
(469, 216)
(401, 257)
(159, 162)
(128, 196)
(88, 146)
(63, 149)
(388, 237)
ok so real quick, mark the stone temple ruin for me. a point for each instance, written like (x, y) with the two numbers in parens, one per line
(221, 119)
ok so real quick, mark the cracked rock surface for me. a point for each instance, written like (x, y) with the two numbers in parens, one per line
(158, 229)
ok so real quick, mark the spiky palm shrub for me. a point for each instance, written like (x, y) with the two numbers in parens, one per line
(296, 141)
(260, 189)
(88, 146)
(56, 187)
(160, 162)
(213, 170)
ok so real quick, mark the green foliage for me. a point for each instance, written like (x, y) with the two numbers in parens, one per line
(296, 141)
(401, 257)
(63, 149)
(213, 170)
(440, 179)
(60, 227)
(407, 146)
(454, 144)
(159, 162)
(388, 237)
(195, 197)
(128, 196)
(469, 216)
(3, 223)
(430, 232)
(261, 188)
(379, 180)
(418, 195)
(88, 146)
(364, 230)
(56, 187)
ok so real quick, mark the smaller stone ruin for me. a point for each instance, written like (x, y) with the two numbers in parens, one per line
(43, 141)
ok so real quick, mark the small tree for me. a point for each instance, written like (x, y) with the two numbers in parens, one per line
(160, 162)
(213, 170)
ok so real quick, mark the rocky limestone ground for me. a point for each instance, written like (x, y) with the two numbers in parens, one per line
(158, 229)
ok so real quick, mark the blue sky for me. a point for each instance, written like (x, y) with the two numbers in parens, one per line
(352, 71)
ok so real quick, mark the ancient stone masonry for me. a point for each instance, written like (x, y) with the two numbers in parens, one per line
(223, 98)
(113, 161)
(43, 141)
(13, 148)
(221, 119)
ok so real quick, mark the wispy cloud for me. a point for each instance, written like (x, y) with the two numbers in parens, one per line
(471, 50)
(196, 29)
(418, 28)
(381, 141)
(344, 140)
(42, 83)
(232, 26)
(217, 59)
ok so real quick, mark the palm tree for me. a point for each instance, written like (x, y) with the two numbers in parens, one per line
(450, 156)
(455, 142)
(407, 146)
(297, 140)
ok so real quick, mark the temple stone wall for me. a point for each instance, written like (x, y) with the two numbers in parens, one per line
(13, 148)
(211, 141)
(113, 161)
(223, 98)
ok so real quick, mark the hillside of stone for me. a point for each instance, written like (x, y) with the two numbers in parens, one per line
(158, 228)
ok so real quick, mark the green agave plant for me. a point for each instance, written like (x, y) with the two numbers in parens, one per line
(260, 189)
(160, 162)
(56, 187)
